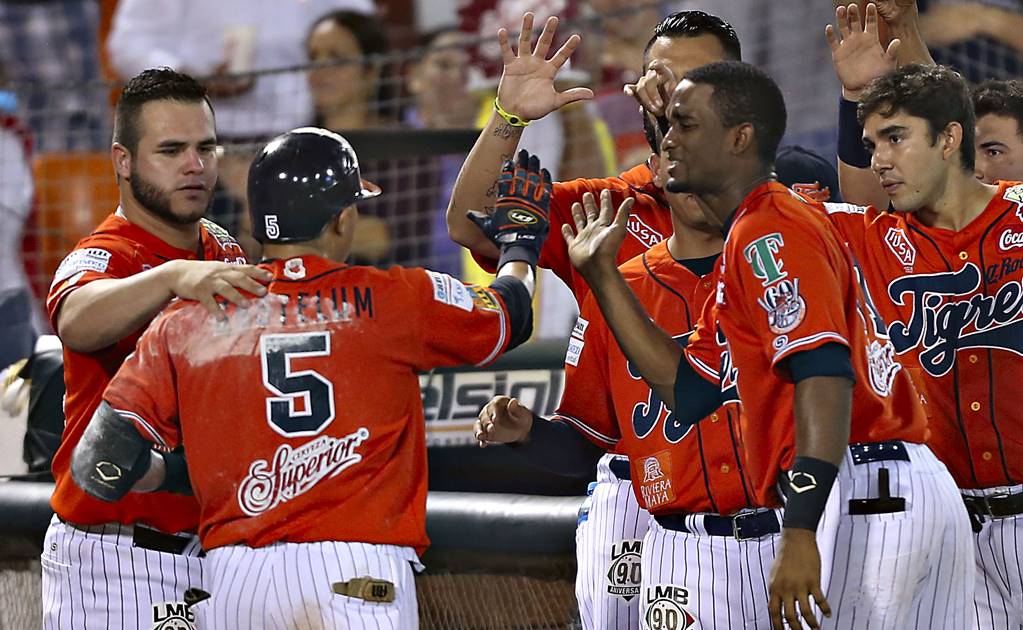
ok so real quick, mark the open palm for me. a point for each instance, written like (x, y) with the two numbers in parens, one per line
(527, 84)
(593, 245)
(858, 57)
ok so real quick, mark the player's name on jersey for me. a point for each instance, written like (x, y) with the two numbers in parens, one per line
(452, 400)
(338, 304)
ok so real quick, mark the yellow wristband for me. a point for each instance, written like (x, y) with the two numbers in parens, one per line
(511, 119)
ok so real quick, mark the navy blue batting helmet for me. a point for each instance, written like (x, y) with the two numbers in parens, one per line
(300, 181)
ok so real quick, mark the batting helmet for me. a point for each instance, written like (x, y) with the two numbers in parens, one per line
(300, 181)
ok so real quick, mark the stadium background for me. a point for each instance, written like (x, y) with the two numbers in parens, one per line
(59, 77)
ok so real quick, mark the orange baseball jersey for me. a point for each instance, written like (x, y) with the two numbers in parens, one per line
(676, 467)
(116, 249)
(788, 284)
(301, 415)
(953, 302)
(649, 221)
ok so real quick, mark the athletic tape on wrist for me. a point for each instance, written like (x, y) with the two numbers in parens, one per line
(850, 136)
(511, 119)
(807, 486)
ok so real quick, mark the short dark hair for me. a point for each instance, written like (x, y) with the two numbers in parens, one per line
(694, 24)
(688, 24)
(155, 84)
(938, 94)
(1002, 98)
(744, 93)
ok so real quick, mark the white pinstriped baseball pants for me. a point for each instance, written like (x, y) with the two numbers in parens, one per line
(287, 586)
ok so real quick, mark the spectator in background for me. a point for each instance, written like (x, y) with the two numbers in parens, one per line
(999, 109)
(983, 40)
(17, 334)
(438, 80)
(218, 39)
(352, 90)
(51, 53)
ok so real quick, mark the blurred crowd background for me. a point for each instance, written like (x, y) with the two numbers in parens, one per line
(409, 81)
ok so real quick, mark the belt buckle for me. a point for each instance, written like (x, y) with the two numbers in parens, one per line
(736, 525)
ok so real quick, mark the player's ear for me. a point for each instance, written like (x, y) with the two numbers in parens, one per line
(743, 138)
(121, 158)
(951, 139)
(654, 164)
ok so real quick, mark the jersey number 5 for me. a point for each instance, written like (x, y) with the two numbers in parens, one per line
(303, 401)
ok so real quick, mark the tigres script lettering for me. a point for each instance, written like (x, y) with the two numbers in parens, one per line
(939, 323)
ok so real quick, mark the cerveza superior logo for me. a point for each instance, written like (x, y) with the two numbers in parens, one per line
(942, 324)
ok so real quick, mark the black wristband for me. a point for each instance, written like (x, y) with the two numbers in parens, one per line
(806, 488)
(175, 474)
(850, 136)
(519, 252)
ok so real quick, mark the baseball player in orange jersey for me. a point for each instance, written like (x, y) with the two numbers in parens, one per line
(127, 565)
(946, 278)
(823, 397)
(318, 516)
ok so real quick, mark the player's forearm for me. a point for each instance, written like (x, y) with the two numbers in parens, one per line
(823, 408)
(521, 271)
(476, 186)
(913, 48)
(651, 350)
(105, 311)
(154, 477)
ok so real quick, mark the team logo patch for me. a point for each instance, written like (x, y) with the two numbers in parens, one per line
(899, 243)
(665, 608)
(294, 269)
(1015, 195)
(579, 330)
(655, 488)
(173, 616)
(785, 307)
(1010, 239)
(643, 232)
(760, 254)
(448, 290)
(483, 298)
(294, 471)
(623, 572)
(882, 366)
(801, 482)
(80, 261)
(223, 238)
(522, 217)
(575, 350)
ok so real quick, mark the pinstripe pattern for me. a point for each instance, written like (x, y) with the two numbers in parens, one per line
(96, 579)
(725, 579)
(287, 586)
(615, 516)
(998, 593)
(911, 569)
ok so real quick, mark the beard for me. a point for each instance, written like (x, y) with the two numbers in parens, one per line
(158, 201)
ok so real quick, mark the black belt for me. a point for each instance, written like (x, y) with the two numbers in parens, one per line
(740, 526)
(620, 468)
(155, 540)
(867, 452)
(995, 506)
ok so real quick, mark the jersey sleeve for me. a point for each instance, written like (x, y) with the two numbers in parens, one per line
(144, 390)
(458, 323)
(851, 222)
(554, 254)
(586, 402)
(95, 258)
(793, 281)
(703, 349)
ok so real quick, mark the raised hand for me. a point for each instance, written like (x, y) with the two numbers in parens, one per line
(527, 84)
(593, 245)
(654, 88)
(501, 421)
(858, 57)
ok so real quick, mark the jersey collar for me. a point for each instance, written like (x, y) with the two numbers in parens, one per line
(120, 224)
(747, 204)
